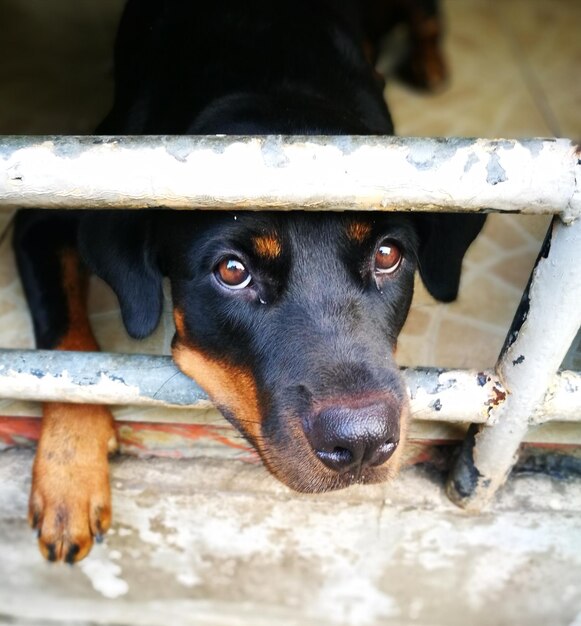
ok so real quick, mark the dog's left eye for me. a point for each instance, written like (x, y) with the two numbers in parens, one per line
(388, 258)
(232, 273)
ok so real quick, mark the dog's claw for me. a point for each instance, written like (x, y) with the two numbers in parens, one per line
(51, 552)
(72, 553)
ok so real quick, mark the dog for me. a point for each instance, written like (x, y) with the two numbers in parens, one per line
(289, 321)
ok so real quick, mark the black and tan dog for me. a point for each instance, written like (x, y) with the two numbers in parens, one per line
(288, 321)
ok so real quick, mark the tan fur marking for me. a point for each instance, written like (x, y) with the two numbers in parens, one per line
(231, 388)
(180, 323)
(358, 231)
(79, 335)
(267, 246)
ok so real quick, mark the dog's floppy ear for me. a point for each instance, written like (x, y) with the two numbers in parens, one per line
(444, 239)
(119, 248)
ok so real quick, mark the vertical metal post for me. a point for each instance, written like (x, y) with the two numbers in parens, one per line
(544, 326)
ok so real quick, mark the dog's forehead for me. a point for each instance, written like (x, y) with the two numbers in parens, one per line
(268, 233)
(304, 225)
(273, 235)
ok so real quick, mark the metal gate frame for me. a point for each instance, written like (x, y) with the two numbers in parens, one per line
(532, 176)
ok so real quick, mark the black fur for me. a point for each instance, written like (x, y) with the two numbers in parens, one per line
(317, 325)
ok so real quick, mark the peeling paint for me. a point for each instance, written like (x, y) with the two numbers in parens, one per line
(495, 172)
(425, 154)
(499, 396)
(470, 162)
(506, 144)
(179, 150)
(482, 379)
(272, 154)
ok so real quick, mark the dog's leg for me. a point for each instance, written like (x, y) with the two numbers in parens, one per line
(70, 501)
(424, 67)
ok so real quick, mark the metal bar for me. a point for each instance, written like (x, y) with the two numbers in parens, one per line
(101, 378)
(545, 324)
(98, 378)
(274, 172)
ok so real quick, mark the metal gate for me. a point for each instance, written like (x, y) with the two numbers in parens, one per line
(533, 176)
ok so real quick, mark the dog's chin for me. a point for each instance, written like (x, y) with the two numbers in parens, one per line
(314, 477)
(300, 470)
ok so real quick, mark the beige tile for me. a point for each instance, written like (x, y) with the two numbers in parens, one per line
(414, 351)
(16, 330)
(417, 323)
(535, 225)
(503, 231)
(6, 306)
(7, 270)
(483, 251)
(487, 96)
(515, 270)
(461, 344)
(488, 301)
(547, 40)
(112, 336)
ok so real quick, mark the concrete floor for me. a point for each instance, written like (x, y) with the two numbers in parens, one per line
(219, 542)
(222, 543)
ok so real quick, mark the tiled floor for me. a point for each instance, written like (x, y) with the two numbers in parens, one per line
(515, 71)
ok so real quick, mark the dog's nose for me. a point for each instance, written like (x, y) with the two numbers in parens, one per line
(345, 438)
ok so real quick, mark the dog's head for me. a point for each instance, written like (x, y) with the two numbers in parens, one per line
(289, 321)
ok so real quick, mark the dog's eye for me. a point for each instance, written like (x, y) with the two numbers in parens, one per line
(387, 258)
(232, 273)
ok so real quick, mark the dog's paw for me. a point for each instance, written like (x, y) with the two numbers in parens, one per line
(70, 499)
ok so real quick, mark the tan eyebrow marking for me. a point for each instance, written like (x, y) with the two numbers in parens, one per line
(358, 231)
(268, 246)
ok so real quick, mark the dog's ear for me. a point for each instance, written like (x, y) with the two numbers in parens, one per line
(444, 239)
(119, 248)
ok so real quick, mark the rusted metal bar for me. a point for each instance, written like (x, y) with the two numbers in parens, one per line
(273, 172)
(101, 378)
(545, 324)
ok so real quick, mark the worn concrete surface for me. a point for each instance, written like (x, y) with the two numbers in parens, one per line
(222, 543)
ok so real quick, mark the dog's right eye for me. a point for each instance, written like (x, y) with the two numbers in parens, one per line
(232, 273)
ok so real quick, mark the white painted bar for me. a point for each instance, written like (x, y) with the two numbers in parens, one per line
(143, 380)
(274, 172)
(546, 323)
